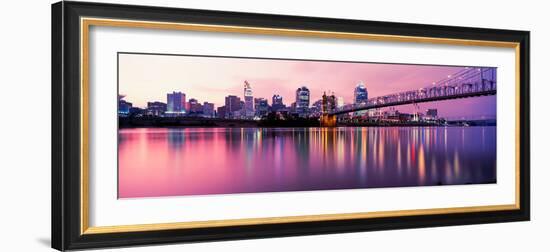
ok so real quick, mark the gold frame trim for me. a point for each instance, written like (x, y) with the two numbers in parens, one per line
(85, 24)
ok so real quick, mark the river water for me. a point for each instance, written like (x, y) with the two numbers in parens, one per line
(157, 162)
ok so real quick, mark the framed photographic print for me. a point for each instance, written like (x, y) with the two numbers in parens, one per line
(181, 125)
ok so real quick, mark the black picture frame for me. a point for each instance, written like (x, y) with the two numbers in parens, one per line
(66, 125)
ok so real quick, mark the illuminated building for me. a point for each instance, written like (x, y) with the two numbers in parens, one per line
(277, 103)
(175, 104)
(232, 106)
(208, 109)
(360, 97)
(261, 107)
(360, 94)
(302, 101)
(123, 106)
(431, 114)
(195, 108)
(248, 101)
(156, 108)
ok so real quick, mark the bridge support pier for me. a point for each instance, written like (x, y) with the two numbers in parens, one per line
(328, 120)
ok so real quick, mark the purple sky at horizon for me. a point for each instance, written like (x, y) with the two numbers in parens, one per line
(144, 77)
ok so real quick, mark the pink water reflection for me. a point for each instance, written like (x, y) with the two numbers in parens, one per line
(197, 161)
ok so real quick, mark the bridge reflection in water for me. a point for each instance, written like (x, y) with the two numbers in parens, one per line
(198, 161)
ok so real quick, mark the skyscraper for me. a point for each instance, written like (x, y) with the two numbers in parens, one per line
(248, 100)
(195, 107)
(208, 109)
(175, 103)
(232, 105)
(302, 101)
(360, 94)
(261, 107)
(277, 102)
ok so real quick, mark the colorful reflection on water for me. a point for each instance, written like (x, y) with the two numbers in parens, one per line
(196, 161)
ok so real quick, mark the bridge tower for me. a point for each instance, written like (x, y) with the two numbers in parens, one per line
(329, 104)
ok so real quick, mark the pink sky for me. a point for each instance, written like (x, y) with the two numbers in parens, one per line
(144, 78)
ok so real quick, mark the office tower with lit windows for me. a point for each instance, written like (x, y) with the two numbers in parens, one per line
(175, 104)
(123, 106)
(360, 97)
(277, 103)
(195, 108)
(156, 108)
(232, 106)
(248, 100)
(431, 114)
(302, 101)
(261, 107)
(208, 110)
(360, 94)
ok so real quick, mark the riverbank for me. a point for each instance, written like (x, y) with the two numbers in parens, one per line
(169, 122)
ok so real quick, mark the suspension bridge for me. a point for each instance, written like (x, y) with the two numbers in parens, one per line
(469, 82)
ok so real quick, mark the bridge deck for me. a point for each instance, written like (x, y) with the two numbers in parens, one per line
(413, 101)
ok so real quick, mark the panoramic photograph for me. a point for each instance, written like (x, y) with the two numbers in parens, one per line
(207, 125)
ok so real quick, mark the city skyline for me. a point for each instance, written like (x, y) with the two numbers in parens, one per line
(148, 78)
(294, 125)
